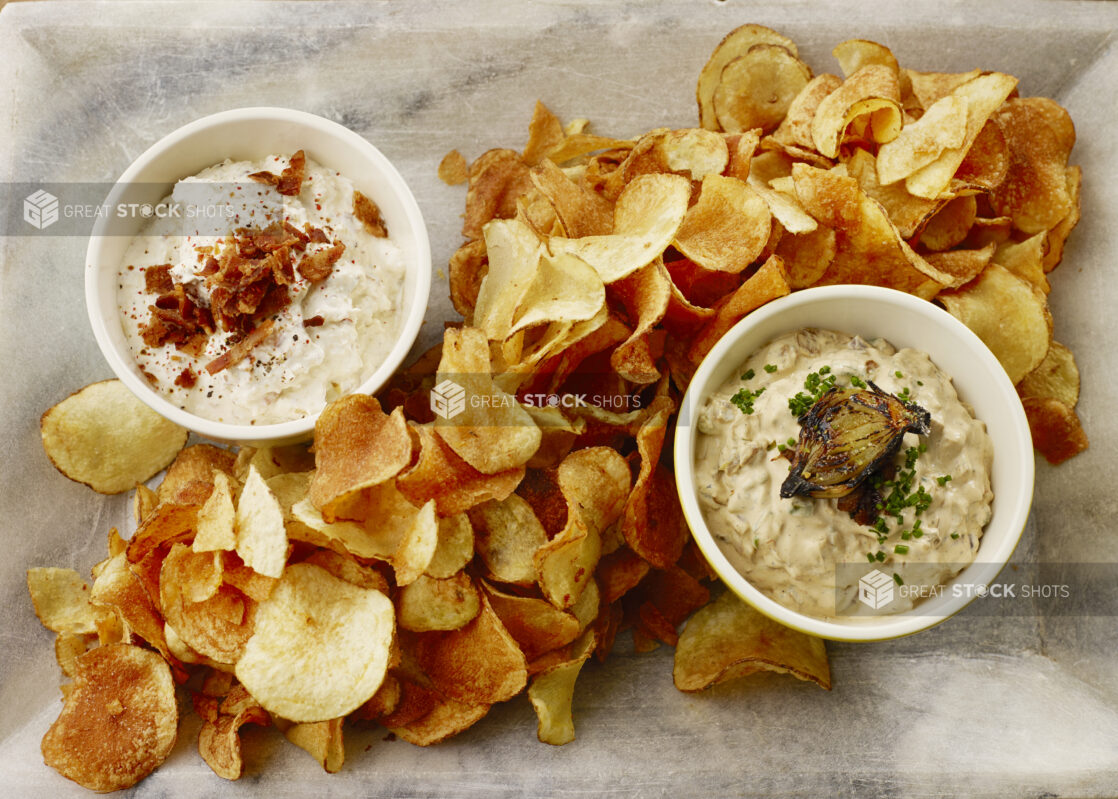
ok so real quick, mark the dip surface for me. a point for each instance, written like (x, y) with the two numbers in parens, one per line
(323, 344)
(789, 548)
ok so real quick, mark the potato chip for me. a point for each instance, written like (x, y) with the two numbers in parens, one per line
(508, 535)
(948, 226)
(536, 624)
(480, 664)
(428, 603)
(216, 526)
(726, 229)
(322, 740)
(383, 703)
(785, 208)
(417, 545)
(61, 600)
(216, 627)
(1040, 136)
(193, 466)
(652, 522)
(144, 501)
(496, 179)
(930, 87)
(552, 694)
(869, 248)
(1057, 377)
(467, 269)
(871, 92)
(963, 265)
(261, 536)
(104, 437)
(806, 256)
(1010, 316)
(490, 431)
(357, 445)
(986, 164)
(853, 54)
(118, 723)
(728, 639)
(907, 213)
(756, 88)
(320, 647)
(1025, 259)
(1056, 429)
(737, 43)
(645, 295)
(453, 170)
(943, 127)
(441, 475)
(647, 216)
(448, 718)
(583, 212)
(219, 740)
(982, 95)
(559, 432)
(795, 128)
(595, 483)
(563, 289)
(767, 283)
(545, 133)
(1058, 235)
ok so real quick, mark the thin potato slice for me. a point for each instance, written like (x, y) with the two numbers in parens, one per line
(756, 89)
(61, 600)
(736, 43)
(727, 228)
(508, 535)
(1057, 376)
(104, 437)
(871, 92)
(455, 547)
(728, 639)
(1057, 431)
(428, 604)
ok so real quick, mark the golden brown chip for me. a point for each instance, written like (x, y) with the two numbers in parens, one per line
(907, 212)
(1058, 235)
(806, 256)
(261, 535)
(1009, 315)
(756, 88)
(119, 588)
(216, 526)
(357, 445)
(428, 604)
(455, 547)
(737, 43)
(1025, 259)
(948, 226)
(870, 96)
(104, 437)
(219, 740)
(497, 179)
(583, 212)
(652, 522)
(536, 624)
(446, 719)
(118, 723)
(217, 627)
(197, 464)
(963, 265)
(727, 228)
(1057, 376)
(767, 283)
(1040, 136)
(347, 567)
(545, 133)
(479, 664)
(467, 269)
(645, 295)
(729, 639)
(61, 600)
(322, 740)
(320, 646)
(928, 87)
(1056, 429)
(453, 169)
(795, 129)
(508, 535)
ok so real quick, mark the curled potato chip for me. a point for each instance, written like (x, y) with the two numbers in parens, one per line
(948, 226)
(508, 535)
(441, 475)
(943, 126)
(871, 92)
(795, 128)
(490, 431)
(61, 600)
(446, 719)
(1057, 376)
(536, 624)
(806, 256)
(727, 228)
(652, 522)
(514, 252)
(104, 437)
(853, 54)
(322, 740)
(728, 639)
(428, 603)
(552, 695)
(357, 445)
(582, 211)
(1010, 316)
(767, 283)
(1040, 136)
(216, 627)
(219, 739)
(118, 723)
(595, 483)
(466, 270)
(982, 96)
(756, 88)
(647, 216)
(737, 43)
(496, 180)
(1056, 429)
(192, 469)
(480, 664)
(645, 294)
(564, 289)
(320, 646)
(1058, 235)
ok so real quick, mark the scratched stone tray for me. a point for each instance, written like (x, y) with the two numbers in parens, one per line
(993, 702)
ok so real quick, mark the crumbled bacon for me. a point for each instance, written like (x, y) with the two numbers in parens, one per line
(157, 279)
(317, 235)
(176, 319)
(239, 351)
(290, 181)
(318, 266)
(314, 321)
(186, 378)
(368, 214)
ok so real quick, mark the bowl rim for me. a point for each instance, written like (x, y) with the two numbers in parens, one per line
(877, 628)
(295, 429)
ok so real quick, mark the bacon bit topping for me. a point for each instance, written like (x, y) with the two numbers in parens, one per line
(239, 351)
(290, 181)
(314, 321)
(317, 235)
(318, 266)
(157, 279)
(369, 215)
(186, 378)
(176, 319)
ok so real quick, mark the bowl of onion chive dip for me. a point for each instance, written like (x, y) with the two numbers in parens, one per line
(854, 462)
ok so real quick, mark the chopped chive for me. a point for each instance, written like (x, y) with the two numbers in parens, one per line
(870, 557)
(906, 535)
(770, 367)
(898, 374)
(944, 480)
(748, 375)
(955, 535)
(857, 382)
(880, 556)
(897, 579)
(901, 549)
(791, 442)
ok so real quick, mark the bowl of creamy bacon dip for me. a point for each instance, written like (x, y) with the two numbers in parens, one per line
(839, 547)
(253, 266)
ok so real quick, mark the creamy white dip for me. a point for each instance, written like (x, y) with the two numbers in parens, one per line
(790, 549)
(298, 369)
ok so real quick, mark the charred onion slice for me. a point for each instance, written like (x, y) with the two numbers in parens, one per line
(846, 436)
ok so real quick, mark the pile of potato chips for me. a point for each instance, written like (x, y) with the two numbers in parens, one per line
(414, 568)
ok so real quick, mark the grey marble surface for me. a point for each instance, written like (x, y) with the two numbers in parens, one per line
(986, 705)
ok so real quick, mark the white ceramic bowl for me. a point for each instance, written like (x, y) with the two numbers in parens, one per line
(904, 321)
(243, 134)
